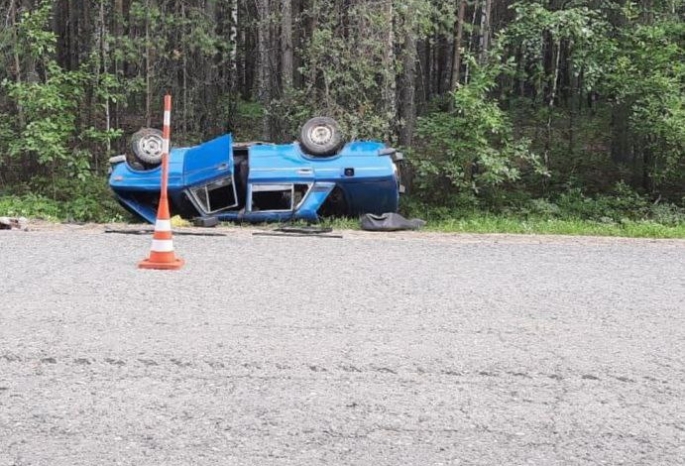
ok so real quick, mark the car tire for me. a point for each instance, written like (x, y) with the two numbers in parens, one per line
(147, 146)
(321, 136)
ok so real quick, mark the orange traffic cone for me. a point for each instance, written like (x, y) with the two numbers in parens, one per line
(162, 256)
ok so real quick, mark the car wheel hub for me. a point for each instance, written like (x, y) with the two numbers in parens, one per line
(321, 135)
(151, 145)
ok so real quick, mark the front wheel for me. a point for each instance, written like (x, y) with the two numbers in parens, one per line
(321, 136)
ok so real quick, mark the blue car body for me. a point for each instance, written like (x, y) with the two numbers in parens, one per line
(263, 182)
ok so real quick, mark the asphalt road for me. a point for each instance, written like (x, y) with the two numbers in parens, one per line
(385, 349)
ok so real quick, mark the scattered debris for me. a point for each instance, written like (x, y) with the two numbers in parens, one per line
(294, 235)
(389, 222)
(299, 232)
(177, 221)
(9, 223)
(205, 222)
(304, 230)
(147, 231)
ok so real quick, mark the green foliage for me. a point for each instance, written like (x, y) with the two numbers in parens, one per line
(621, 205)
(581, 29)
(595, 87)
(89, 201)
(484, 223)
(30, 205)
(46, 131)
(49, 115)
(472, 146)
(46, 126)
(46, 134)
(649, 76)
(347, 70)
(248, 120)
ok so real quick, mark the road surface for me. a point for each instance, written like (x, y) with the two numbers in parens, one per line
(374, 349)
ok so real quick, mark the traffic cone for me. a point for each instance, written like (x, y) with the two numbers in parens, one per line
(162, 256)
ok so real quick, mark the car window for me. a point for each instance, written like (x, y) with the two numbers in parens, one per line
(272, 197)
(215, 196)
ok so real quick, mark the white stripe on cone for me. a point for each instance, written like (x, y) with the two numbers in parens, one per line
(165, 146)
(167, 118)
(162, 245)
(163, 225)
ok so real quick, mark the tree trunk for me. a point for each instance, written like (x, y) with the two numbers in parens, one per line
(117, 30)
(408, 90)
(148, 68)
(456, 60)
(388, 96)
(184, 74)
(286, 44)
(471, 41)
(17, 60)
(233, 66)
(105, 69)
(264, 87)
(485, 31)
(550, 104)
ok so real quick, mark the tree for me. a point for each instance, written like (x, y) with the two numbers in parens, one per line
(595, 85)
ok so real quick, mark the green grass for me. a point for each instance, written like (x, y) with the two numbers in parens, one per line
(574, 227)
(540, 226)
(102, 209)
(95, 208)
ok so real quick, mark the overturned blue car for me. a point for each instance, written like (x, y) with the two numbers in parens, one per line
(318, 176)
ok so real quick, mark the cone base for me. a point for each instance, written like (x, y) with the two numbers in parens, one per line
(176, 264)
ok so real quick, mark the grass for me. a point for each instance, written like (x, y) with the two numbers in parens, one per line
(97, 210)
(540, 226)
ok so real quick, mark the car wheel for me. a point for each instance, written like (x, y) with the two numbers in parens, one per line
(321, 136)
(147, 146)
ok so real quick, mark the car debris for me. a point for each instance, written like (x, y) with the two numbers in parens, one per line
(205, 222)
(390, 222)
(318, 176)
(10, 223)
(145, 231)
(300, 232)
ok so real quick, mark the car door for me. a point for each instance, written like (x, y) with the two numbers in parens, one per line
(279, 181)
(209, 176)
(208, 161)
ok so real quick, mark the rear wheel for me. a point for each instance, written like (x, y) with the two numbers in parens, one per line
(321, 136)
(147, 146)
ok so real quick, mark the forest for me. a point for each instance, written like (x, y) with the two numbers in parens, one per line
(553, 108)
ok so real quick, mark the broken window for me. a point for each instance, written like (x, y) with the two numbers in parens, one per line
(215, 196)
(278, 197)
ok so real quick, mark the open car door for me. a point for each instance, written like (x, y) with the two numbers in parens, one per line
(209, 175)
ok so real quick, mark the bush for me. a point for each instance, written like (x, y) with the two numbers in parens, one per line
(471, 147)
(90, 201)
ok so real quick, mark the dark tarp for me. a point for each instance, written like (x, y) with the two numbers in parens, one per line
(389, 222)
